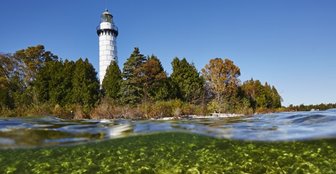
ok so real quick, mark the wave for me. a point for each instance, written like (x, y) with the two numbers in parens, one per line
(286, 126)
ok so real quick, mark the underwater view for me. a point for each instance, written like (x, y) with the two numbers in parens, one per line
(196, 87)
(293, 142)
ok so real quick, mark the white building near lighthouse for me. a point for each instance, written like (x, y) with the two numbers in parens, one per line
(107, 33)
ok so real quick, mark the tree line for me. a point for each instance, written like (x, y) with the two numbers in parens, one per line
(311, 107)
(34, 77)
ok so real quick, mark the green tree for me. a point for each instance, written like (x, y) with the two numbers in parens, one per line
(261, 96)
(276, 98)
(112, 81)
(131, 91)
(254, 90)
(188, 81)
(85, 84)
(54, 82)
(273, 99)
(67, 85)
(42, 83)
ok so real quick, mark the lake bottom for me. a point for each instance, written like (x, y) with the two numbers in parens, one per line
(175, 152)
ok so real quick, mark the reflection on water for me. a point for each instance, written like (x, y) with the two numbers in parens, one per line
(46, 131)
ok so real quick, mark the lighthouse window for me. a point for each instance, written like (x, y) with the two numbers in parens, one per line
(106, 18)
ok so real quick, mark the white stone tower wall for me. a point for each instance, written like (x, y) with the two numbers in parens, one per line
(107, 52)
(107, 47)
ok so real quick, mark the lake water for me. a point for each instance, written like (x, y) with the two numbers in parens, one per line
(47, 131)
(290, 142)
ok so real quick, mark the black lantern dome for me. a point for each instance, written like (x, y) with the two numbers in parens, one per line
(106, 17)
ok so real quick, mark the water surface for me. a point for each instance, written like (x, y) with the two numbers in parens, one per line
(49, 131)
(297, 142)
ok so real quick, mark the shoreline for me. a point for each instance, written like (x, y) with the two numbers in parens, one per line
(211, 116)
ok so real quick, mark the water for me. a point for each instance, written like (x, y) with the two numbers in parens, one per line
(50, 131)
(296, 142)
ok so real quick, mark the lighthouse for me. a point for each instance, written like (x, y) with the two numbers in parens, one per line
(107, 33)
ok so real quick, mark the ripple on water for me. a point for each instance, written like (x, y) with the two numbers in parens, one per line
(44, 131)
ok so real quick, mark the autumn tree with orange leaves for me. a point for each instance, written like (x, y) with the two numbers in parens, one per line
(222, 77)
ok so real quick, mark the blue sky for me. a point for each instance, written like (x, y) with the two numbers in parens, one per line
(290, 44)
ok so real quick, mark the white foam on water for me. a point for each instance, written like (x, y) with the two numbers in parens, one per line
(117, 131)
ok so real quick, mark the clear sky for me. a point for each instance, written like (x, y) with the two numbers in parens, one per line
(290, 44)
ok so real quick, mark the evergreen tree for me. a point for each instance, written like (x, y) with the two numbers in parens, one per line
(85, 84)
(132, 63)
(61, 82)
(188, 81)
(42, 83)
(54, 82)
(261, 96)
(131, 90)
(66, 85)
(152, 77)
(165, 90)
(112, 81)
(56, 92)
(254, 90)
(276, 98)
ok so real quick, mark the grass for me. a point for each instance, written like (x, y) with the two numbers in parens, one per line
(174, 153)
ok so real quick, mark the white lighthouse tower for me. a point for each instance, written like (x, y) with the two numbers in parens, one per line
(107, 33)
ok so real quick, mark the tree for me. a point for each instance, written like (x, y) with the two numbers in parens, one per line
(276, 98)
(131, 90)
(68, 75)
(152, 77)
(33, 59)
(53, 82)
(250, 90)
(42, 83)
(132, 63)
(112, 81)
(8, 66)
(261, 96)
(188, 81)
(18, 72)
(6, 69)
(85, 84)
(165, 90)
(222, 77)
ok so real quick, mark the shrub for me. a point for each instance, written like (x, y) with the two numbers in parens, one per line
(162, 109)
(132, 112)
(62, 112)
(159, 109)
(106, 109)
(244, 107)
(6, 112)
(79, 113)
(213, 106)
(38, 110)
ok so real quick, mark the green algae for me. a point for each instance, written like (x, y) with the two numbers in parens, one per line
(175, 153)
